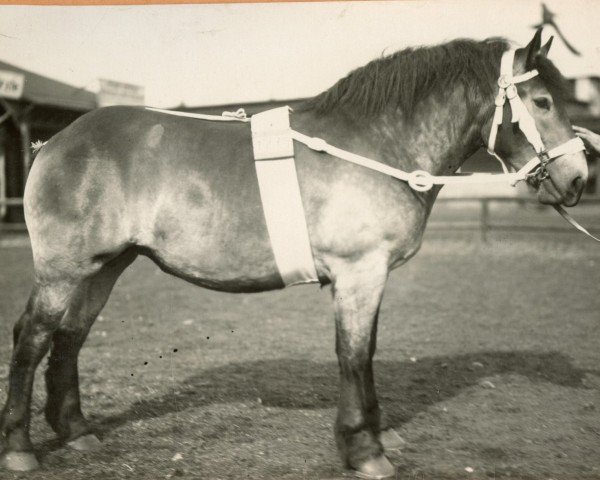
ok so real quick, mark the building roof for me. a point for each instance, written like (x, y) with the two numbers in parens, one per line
(45, 91)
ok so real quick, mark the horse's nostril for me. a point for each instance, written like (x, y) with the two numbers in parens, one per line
(577, 184)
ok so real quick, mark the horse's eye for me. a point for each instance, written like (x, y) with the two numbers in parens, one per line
(542, 103)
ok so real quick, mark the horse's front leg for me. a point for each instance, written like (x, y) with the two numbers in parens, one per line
(357, 293)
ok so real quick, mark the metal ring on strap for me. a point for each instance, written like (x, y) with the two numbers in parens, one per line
(420, 180)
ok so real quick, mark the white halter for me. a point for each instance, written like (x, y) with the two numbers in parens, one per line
(520, 115)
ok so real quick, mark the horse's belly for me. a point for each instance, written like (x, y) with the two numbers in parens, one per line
(217, 267)
(212, 241)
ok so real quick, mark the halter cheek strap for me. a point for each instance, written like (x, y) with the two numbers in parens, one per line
(507, 90)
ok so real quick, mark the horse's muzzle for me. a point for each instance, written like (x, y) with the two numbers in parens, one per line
(561, 180)
(550, 194)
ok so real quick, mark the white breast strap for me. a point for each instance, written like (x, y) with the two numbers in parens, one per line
(280, 195)
(420, 180)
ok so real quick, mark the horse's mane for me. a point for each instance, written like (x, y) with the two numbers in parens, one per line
(407, 77)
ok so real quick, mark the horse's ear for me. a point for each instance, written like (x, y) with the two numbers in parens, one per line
(533, 49)
(546, 47)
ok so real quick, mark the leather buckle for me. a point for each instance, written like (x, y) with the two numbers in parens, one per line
(544, 157)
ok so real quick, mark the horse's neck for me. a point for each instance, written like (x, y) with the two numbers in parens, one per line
(442, 134)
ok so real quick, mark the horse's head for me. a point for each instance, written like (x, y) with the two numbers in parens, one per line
(542, 125)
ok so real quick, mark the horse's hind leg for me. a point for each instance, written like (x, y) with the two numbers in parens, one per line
(63, 407)
(61, 310)
(32, 334)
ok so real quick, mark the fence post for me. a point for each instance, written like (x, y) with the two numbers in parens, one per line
(485, 215)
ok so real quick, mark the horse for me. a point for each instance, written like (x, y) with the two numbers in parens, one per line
(126, 181)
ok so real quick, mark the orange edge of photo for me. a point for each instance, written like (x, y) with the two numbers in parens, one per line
(145, 2)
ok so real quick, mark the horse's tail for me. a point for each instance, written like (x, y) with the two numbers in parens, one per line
(36, 147)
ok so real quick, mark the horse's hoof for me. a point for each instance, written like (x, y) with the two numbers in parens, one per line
(376, 469)
(391, 440)
(19, 461)
(85, 443)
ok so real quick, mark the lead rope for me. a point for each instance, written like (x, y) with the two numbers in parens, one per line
(574, 222)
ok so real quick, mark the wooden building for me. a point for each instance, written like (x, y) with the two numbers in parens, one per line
(32, 107)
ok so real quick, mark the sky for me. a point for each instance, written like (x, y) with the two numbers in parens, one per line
(235, 53)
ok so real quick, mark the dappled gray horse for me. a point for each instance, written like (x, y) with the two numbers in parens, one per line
(124, 181)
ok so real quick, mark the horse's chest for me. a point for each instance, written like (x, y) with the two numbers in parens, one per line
(357, 219)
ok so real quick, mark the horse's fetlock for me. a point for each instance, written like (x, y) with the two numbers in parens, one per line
(52, 417)
(373, 418)
(361, 447)
(350, 422)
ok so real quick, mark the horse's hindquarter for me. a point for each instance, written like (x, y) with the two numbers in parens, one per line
(183, 190)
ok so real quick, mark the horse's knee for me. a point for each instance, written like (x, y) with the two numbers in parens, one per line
(355, 362)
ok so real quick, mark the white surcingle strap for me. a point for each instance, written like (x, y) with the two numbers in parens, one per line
(280, 196)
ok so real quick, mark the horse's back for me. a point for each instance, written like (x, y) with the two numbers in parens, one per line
(183, 191)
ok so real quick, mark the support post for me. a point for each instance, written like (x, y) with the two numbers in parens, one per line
(26, 147)
(485, 217)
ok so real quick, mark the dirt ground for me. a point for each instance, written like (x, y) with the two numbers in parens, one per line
(487, 365)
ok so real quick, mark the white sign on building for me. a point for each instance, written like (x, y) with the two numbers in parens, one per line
(119, 93)
(11, 84)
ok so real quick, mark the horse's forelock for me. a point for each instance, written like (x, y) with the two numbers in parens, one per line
(554, 81)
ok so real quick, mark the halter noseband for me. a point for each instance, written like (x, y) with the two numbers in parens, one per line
(520, 115)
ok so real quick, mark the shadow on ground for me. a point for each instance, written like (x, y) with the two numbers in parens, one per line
(303, 384)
